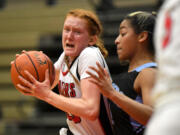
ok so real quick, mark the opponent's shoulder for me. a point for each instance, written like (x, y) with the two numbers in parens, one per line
(148, 71)
(147, 75)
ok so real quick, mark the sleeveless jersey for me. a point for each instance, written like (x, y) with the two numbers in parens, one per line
(124, 83)
(69, 88)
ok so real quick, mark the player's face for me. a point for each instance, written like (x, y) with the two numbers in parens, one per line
(75, 36)
(126, 41)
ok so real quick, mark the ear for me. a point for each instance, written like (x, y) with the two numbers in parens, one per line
(92, 40)
(143, 36)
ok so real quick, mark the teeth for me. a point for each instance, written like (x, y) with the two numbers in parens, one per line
(69, 45)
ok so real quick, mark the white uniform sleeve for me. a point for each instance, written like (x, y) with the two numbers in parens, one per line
(89, 57)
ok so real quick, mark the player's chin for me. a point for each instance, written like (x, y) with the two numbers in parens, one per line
(123, 59)
(70, 53)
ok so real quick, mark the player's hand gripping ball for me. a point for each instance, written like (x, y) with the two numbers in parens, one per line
(36, 63)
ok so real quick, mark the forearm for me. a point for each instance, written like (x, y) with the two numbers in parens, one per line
(139, 112)
(75, 106)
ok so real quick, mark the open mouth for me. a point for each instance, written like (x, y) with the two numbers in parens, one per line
(70, 45)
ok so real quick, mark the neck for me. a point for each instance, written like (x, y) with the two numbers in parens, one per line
(138, 61)
(68, 60)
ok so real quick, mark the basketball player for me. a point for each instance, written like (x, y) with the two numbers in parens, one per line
(166, 93)
(130, 97)
(79, 98)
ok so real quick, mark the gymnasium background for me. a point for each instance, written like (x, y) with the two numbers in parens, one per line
(37, 25)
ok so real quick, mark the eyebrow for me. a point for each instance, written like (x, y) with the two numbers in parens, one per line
(122, 27)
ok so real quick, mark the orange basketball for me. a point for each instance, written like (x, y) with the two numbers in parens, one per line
(36, 63)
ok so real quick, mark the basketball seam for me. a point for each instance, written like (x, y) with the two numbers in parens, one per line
(17, 68)
(49, 66)
(33, 66)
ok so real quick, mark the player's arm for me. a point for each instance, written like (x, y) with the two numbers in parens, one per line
(146, 80)
(141, 112)
(138, 111)
(87, 106)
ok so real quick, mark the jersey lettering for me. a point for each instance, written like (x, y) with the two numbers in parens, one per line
(68, 90)
(72, 91)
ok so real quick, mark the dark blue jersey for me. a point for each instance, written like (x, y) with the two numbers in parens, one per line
(124, 83)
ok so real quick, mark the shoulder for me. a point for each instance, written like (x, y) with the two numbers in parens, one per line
(90, 51)
(60, 60)
(147, 72)
(146, 77)
(90, 54)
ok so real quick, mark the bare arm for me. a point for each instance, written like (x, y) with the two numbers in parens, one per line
(87, 106)
(139, 112)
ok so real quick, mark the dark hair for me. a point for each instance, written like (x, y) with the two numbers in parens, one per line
(143, 21)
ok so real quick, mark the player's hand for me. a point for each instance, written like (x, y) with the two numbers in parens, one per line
(32, 87)
(103, 80)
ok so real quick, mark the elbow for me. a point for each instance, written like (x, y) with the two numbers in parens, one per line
(92, 114)
(146, 120)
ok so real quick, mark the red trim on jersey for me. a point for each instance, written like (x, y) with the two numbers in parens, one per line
(64, 73)
(168, 24)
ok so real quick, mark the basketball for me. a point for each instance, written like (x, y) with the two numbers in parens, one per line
(36, 63)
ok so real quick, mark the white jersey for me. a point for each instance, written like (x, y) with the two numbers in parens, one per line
(167, 43)
(166, 93)
(69, 88)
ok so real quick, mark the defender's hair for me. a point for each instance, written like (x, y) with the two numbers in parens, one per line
(143, 21)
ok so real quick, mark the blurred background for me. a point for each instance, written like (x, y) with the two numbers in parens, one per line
(37, 25)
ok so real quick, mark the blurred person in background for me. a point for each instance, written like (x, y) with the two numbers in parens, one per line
(166, 92)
